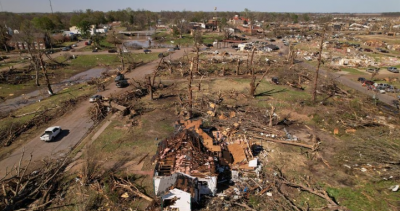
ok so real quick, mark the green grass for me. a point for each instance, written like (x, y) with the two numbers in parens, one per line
(278, 95)
(142, 57)
(107, 142)
(105, 44)
(89, 61)
(11, 63)
(117, 142)
(353, 71)
(63, 95)
(369, 196)
(384, 38)
(210, 38)
(64, 44)
(75, 66)
(10, 90)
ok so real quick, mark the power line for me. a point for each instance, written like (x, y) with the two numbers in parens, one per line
(51, 7)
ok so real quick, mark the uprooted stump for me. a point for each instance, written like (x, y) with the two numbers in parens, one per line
(98, 111)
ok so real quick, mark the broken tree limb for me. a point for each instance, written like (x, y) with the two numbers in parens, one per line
(141, 160)
(34, 112)
(312, 147)
(115, 105)
(264, 190)
(132, 188)
(321, 193)
(244, 206)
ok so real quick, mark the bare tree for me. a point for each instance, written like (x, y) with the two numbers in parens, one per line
(4, 37)
(27, 36)
(44, 70)
(114, 38)
(151, 80)
(319, 64)
(238, 67)
(190, 90)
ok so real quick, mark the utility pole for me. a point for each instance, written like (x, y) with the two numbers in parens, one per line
(51, 7)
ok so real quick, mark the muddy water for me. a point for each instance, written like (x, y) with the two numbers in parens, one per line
(37, 95)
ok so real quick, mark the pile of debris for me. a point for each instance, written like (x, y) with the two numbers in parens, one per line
(190, 164)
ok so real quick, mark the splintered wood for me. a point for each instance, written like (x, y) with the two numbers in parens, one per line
(237, 152)
(207, 140)
(184, 153)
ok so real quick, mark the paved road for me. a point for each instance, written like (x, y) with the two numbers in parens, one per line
(341, 78)
(75, 125)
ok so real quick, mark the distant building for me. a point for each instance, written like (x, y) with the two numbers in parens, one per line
(40, 41)
(237, 20)
(93, 30)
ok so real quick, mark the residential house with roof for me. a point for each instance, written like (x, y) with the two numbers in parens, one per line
(40, 41)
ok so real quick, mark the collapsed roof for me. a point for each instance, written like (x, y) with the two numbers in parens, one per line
(184, 153)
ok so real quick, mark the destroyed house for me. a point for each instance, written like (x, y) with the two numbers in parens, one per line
(184, 164)
(184, 153)
(189, 163)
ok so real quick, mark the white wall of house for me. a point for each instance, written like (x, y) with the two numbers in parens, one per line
(210, 188)
(162, 183)
(183, 199)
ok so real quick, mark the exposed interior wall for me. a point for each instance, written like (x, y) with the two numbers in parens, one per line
(207, 185)
(162, 183)
(182, 199)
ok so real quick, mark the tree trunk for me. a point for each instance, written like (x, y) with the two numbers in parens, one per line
(253, 77)
(251, 61)
(197, 58)
(34, 62)
(150, 87)
(271, 115)
(156, 71)
(252, 87)
(319, 64)
(46, 77)
(238, 67)
(121, 56)
(190, 91)
(247, 62)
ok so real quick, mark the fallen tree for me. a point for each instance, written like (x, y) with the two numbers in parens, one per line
(25, 189)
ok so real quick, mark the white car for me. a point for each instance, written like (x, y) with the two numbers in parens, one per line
(50, 133)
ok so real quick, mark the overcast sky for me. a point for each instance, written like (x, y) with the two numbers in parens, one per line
(345, 6)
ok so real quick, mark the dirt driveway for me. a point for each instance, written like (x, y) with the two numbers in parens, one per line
(75, 125)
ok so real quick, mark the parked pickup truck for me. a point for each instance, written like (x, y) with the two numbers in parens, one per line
(50, 133)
